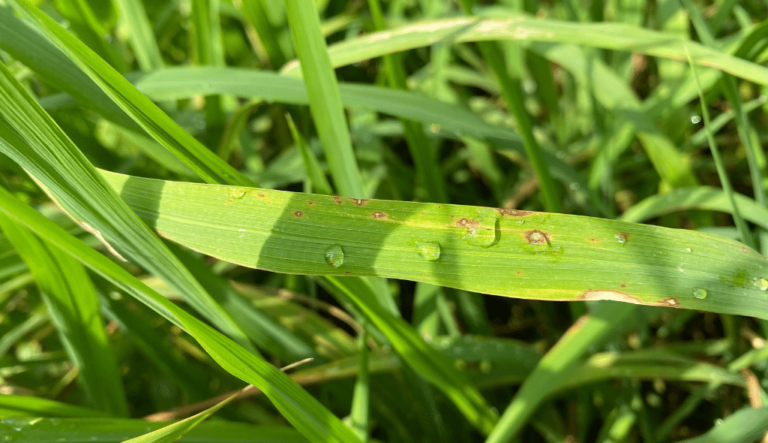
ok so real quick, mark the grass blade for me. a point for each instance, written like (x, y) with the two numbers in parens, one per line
(140, 35)
(298, 407)
(74, 309)
(617, 36)
(32, 139)
(157, 124)
(593, 258)
(324, 98)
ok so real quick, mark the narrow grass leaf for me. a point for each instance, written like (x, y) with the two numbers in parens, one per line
(593, 258)
(153, 120)
(32, 139)
(616, 36)
(28, 406)
(320, 184)
(74, 309)
(744, 426)
(700, 197)
(296, 405)
(140, 35)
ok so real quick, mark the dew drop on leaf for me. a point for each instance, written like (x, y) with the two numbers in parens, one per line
(237, 192)
(700, 293)
(622, 239)
(763, 283)
(428, 250)
(334, 255)
(483, 234)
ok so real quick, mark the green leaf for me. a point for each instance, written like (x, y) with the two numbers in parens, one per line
(531, 255)
(296, 405)
(74, 309)
(324, 98)
(746, 425)
(617, 36)
(31, 138)
(148, 116)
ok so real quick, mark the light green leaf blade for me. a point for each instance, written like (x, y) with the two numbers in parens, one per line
(617, 36)
(324, 98)
(535, 255)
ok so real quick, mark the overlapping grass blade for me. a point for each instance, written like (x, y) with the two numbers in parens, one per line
(146, 114)
(534, 255)
(617, 36)
(298, 407)
(554, 366)
(140, 35)
(28, 406)
(700, 197)
(32, 139)
(743, 426)
(324, 98)
(74, 309)
(118, 430)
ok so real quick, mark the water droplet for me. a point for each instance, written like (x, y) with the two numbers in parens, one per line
(334, 255)
(700, 293)
(483, 232)
(718, 422)
(763, 283)
(428, 250)
(688, 250)
(237, 192)
(695, 119)
(621, 238)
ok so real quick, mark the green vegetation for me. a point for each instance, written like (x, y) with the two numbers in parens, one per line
(395, 221)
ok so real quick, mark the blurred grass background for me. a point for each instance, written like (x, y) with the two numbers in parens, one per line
(554, 123)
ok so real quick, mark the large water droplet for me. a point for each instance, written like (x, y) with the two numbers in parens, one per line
(483, 232)
(695, 119)
(700, 293)
(622, 239)
(763, 284)
(334, 255)
(428, 250)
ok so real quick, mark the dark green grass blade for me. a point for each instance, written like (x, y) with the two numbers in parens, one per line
(296, 405)
(159, 125)
(32, 139)
(74, 309)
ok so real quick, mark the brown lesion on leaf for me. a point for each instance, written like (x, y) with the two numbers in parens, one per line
(518, 272)
(669, 302)
(745, 249)
(623, 236)
(229, 201)
(379, 215)
(337, 199)
(594, 240)
(466, 223)
(536, 237)
(623, 285)
(513, 212)
(600, 294)
(298, 213)
(261, 195)
(360, 201)
(311, 203)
